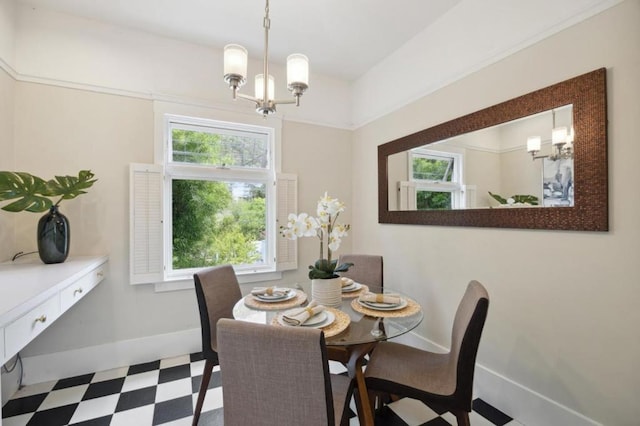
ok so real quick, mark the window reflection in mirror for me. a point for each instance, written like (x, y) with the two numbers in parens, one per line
(495, 167)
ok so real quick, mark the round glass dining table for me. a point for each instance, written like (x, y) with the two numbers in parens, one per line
(365, 329)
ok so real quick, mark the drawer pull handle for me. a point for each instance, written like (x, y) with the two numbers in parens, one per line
(77, 290)
(41, 318)
(100, 274)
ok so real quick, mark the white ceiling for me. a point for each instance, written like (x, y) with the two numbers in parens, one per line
(432, 42)
(342, 38)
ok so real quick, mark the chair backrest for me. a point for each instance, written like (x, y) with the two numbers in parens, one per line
(274, 375)
(465, 338)
(217, 291)
(367, 269)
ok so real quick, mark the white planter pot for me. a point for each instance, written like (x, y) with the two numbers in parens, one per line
(327, 292)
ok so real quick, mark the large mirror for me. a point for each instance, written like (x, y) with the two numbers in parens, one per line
(537, 161)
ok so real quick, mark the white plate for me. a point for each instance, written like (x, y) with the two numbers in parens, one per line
(275, 298)
(384, 306)
(352, 287)
(316, 319)
(330, 317)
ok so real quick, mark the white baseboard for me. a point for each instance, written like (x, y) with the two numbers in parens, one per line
(526, 406)
(55, 366)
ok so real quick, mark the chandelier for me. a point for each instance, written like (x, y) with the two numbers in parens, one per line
(235, 72)
(561, 141)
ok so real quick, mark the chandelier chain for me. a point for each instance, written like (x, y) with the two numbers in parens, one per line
(267, 21)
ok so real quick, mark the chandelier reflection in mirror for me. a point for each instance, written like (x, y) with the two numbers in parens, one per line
(561, 142)
(235, 72)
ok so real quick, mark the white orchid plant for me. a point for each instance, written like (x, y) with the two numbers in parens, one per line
(327, 229)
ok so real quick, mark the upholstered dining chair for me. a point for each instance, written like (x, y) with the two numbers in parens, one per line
(275, 375)
(367, 269)
(217, 291)
(443, 379)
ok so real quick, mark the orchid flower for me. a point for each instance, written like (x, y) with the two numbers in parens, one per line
(328, 231)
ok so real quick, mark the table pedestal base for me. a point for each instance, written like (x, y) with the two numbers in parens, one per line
(353, 357)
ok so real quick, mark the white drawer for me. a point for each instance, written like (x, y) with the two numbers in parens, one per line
(23, 330)
(76, 291)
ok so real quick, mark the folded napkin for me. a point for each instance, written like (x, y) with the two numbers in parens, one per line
(268, 291)
(298, 316)
(346, 281)
(380, 298)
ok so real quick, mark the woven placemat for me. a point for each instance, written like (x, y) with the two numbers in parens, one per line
(411, 308)
(254, 303)
(340, 324)
(350, 294)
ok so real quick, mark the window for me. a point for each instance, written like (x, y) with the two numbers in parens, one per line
(219, 177)
(217, 194)
(438, 179)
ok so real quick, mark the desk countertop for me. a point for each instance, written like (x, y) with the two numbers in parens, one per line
(25, 284)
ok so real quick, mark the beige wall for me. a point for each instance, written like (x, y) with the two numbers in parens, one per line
(60, 131)
(564, 305)
(7, 220)
(7, 32)
(321, 157)
(563, 311)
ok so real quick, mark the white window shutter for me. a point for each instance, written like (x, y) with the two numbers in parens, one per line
(470, 194)
(146, 245)
(407, 195)
(287, 196)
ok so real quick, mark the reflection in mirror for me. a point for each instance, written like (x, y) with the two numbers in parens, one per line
(549, 145)
(527, 162)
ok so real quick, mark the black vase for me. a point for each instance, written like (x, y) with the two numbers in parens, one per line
(53, 237)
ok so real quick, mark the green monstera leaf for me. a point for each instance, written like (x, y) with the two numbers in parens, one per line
(523, 199)
(28, 190)
(32, 193)
(70, 186)
(526, 199)
(498, 198)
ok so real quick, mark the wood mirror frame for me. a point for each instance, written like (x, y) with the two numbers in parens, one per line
(587, 94)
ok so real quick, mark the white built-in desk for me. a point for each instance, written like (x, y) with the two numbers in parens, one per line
(33, 295)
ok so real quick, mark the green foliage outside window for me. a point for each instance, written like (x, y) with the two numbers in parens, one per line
(431, 200)
(216, 222)
(432, 169)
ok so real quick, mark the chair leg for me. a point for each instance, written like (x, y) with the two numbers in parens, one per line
(463, 418)
(379, 399)
(206, 377)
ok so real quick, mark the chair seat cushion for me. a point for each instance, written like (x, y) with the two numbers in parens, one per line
(409, 367)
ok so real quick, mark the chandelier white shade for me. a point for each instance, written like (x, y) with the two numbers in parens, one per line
(235, 62)
(533, 143)
(297, 70)
(235, 74)
(559, 135)
(259, 87)
(561, 142)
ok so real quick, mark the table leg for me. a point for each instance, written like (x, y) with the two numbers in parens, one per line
(353, 357)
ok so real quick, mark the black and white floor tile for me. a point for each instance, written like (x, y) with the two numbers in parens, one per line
(164, 392)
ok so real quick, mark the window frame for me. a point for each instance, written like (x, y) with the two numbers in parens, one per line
(455, 186)
(147, 195)
(180, 170)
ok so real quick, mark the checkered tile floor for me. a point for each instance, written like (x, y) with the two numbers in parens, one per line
(164, 392)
